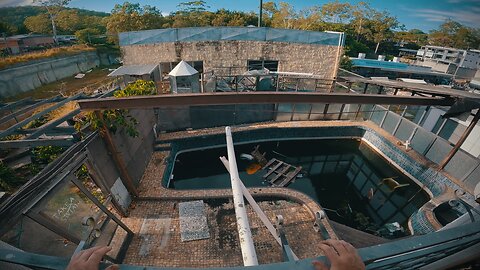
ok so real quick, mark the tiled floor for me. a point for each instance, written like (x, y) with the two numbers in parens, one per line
(157, 240)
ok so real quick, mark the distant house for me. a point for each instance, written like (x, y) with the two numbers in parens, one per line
(460, 63)
(22, 43)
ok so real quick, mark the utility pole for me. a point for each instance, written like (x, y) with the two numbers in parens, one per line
(260, 14)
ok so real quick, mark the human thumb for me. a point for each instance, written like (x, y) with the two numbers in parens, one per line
(319, 265)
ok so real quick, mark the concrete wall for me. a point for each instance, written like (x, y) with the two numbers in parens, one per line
(292, 57)
(30, 76)
(181, 118)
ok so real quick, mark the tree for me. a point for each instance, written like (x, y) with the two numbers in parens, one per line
(87, 35)
(132, 17)
(381, 27)
(336, 12)
(361, 13)
(7, 29)
(68, 21)
(53, 7)
(38, 24)
(193, 13)
(454, 34)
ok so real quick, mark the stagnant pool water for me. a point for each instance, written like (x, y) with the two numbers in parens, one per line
(344, 176)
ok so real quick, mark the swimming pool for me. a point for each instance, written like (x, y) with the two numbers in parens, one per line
(345, 176)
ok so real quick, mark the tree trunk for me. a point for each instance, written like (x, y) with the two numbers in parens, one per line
(376, 48)
(54, 30)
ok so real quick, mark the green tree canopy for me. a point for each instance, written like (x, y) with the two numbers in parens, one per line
(131, 17)
(454, 34)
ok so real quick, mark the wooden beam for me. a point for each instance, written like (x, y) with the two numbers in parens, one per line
(461, 140)
(217, 98)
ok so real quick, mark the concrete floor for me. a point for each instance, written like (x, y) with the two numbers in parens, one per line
(157, 235)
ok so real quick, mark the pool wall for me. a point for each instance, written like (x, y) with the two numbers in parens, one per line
(432, 181)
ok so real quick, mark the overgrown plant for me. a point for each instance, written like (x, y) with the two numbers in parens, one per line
(8, 180)
(114, 119)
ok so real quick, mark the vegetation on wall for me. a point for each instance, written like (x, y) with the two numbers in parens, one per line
(119, 119)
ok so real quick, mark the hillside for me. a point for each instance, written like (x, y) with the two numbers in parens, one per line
(16, 15)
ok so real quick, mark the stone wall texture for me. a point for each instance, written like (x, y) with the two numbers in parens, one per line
(220, 56)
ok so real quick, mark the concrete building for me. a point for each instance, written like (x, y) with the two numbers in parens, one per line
(235, 50)
(23, 43)
(461, 63)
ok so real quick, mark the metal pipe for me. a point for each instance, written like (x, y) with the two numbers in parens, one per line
(257, 208)
(244, 233)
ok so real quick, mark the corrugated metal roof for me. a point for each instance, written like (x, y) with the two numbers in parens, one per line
(133, 70)
(182, 69)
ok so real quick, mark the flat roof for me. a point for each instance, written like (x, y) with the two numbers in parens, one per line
(133, 70)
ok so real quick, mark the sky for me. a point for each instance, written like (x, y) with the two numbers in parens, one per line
(421, 14)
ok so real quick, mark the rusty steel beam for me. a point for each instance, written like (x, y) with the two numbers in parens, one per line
(117, 157)
(460, 141)
(145, 102)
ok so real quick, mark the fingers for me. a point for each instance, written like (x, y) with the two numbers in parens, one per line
(85, 254)
(337, 245)
(98, 254)
(329, 252)
(319, 265)
(349, 247)
(116, 267)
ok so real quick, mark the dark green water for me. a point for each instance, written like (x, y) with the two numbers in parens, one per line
(336, 173)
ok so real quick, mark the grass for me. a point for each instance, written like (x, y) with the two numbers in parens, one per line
(60, 51)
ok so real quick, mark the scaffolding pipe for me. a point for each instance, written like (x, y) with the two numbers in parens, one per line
(246, 242)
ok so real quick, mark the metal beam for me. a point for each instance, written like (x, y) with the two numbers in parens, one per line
(146, 102)
(14, 115)
(41, 130)
(53, 131)
(117, 158)
(15, 104)
(36, 142)
(11, 130)
(461, 140)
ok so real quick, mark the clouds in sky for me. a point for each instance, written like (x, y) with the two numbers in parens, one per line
(12, 3)
(469, 16)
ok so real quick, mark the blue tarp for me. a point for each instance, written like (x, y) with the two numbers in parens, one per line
(229, 33)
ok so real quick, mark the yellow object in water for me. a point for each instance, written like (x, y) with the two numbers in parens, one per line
(253, 168)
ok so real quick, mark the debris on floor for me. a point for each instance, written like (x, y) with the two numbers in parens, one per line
(193, 221)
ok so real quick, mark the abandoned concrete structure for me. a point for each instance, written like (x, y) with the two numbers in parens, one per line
(231, 50)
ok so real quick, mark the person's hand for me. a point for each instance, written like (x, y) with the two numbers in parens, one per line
(342, 256)
(89, 259)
